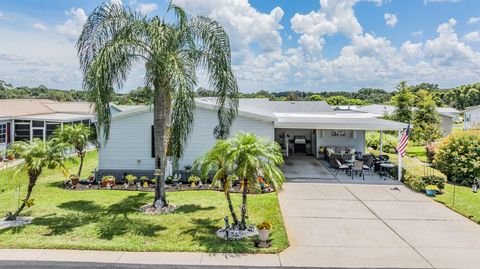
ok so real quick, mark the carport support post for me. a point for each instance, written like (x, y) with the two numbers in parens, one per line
(400, 161)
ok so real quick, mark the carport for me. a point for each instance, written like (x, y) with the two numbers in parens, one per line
(328, 129)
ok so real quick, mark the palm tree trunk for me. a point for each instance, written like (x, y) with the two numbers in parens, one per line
(31, 184)
(161, 122)
(230, 204)
(82, 156)
(243, 223)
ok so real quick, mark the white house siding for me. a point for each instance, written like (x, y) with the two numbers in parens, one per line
(446, 124)
(129, 146)
(201, 138)
(471, 119)
(352, 138)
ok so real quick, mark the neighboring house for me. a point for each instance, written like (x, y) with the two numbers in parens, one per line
(448, 115)
(25, 119)
(299, 127)
(471, 118)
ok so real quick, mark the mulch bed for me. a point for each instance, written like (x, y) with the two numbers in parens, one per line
(151, 188)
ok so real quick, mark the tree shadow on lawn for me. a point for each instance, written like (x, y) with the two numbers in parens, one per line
(110, 221)
(190, 208)
(204, 233)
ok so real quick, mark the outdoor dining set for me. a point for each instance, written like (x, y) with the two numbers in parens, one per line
(361, 164)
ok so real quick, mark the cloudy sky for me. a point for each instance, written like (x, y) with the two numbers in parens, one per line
(277, 45)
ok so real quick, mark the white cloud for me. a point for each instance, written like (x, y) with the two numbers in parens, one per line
(116, 2)
(146, 8)
(472, 37)
(39, 26)
(390, 19)
(244, 24)
(73, 26)
(1, 14)
(473, 20)
(417, 33)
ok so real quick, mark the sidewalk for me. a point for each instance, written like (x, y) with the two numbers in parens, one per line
(152, 258)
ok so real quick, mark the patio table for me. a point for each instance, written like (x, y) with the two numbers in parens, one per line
(385, 169)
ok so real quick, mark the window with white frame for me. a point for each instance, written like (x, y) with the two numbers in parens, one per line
(3, 133)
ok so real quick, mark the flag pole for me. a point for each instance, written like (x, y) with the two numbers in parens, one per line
(400, 161)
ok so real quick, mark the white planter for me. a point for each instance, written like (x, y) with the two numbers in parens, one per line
(263, 235)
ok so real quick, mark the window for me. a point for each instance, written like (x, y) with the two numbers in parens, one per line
(3, 133)
(22, 130)
(51, 127)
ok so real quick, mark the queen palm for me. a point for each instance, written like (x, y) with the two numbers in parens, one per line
(216, 160)
(171, 47)
(37, 156)
(78, 136)
(253, 157)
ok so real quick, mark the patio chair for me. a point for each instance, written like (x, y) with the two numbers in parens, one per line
(358, 167)
(347, 156)
(341, 167)
(369, 166)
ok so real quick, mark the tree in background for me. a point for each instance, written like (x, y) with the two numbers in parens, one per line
(37, 156)
(292, 96)
(426, 121)
(403, 102)
(315, 97)
(78, 136)
(172, 47)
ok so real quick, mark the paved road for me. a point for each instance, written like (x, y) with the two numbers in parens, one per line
(366, 225)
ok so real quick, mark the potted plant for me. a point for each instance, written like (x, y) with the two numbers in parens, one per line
(169, 180)
(264, 232)
(108, 180)
(431, 190)
(193, 180)
(130, 179)
(74, 178)
(10, 156)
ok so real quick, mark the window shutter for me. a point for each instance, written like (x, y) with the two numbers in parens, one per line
(153, 142)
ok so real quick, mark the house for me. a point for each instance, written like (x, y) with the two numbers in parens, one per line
(448, 115)
(304, 127)
(471, 118)
(25, 119)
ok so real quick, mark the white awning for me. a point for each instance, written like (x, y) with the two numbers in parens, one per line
(336, 121)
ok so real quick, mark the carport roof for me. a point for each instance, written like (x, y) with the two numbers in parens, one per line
(346, 121)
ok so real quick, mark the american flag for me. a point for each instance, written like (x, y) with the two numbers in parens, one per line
(402, 144)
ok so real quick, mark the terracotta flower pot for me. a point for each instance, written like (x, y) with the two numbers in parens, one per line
(263, 235)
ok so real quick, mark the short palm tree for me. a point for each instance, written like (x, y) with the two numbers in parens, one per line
(216, 160)
(172, 47)
(77, 136)
(255, 157)
(37, 155)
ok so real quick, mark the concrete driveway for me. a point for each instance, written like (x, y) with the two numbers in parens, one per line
(367, 225)
(304, 168)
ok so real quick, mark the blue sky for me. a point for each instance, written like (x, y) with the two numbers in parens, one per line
(277, 45)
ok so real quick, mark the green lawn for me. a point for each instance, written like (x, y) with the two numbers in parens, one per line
(108, 220)
(466, 202)
(418, 152)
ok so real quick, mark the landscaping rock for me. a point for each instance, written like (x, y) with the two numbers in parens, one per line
(151, 210)
(20, 221)
(236, 234)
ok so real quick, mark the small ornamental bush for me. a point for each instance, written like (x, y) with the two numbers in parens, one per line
(372, 139)
(458, 157)
(266, 225)
(417, 181)
(431, 149)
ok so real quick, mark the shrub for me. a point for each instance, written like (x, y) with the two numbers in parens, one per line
(130, 179)
(431, 149)
(372, 139)
(458, 157)
(417, 181)
(266, 225)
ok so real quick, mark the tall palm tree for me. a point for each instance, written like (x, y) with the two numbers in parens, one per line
(171, 47)
(77, 136)
(216, 160)
(38, 155)
(255, 156)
